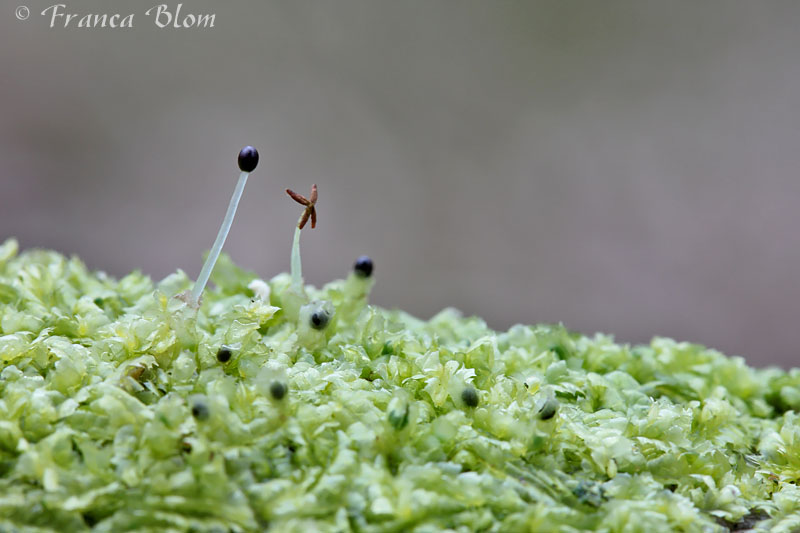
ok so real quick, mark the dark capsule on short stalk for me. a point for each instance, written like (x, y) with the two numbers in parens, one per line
(277, 390)
(549, 409)
(470, 397)
(224, 355)
(363, 267)
(319, 319)
(200, 411)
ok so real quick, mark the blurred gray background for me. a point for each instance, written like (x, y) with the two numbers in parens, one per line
(621, 166)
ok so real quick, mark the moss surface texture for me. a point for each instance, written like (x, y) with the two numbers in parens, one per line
(119, 412)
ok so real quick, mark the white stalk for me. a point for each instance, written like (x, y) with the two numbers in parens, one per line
(205, 273)
(297, 267)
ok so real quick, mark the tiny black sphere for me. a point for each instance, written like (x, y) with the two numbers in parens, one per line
(248, 159)
(470, 397)
(277, 390)
(319, 319)
(224, 355)
(549, 409)
(363, 267)
(200, 411)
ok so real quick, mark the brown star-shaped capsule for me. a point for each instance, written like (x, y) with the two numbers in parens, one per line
(310, 204)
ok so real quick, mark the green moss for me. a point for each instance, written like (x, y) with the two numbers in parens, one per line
(116, 415)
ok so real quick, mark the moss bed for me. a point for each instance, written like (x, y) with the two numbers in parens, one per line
(116, 414)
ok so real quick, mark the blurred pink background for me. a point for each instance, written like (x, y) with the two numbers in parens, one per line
(626, 166)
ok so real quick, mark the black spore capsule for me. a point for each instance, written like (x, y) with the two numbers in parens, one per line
(363, 267)
(248, 159)
(224, 354)
(278, 390)
(200, 411)
(319, 319)
(549, 409)
(470, 397)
